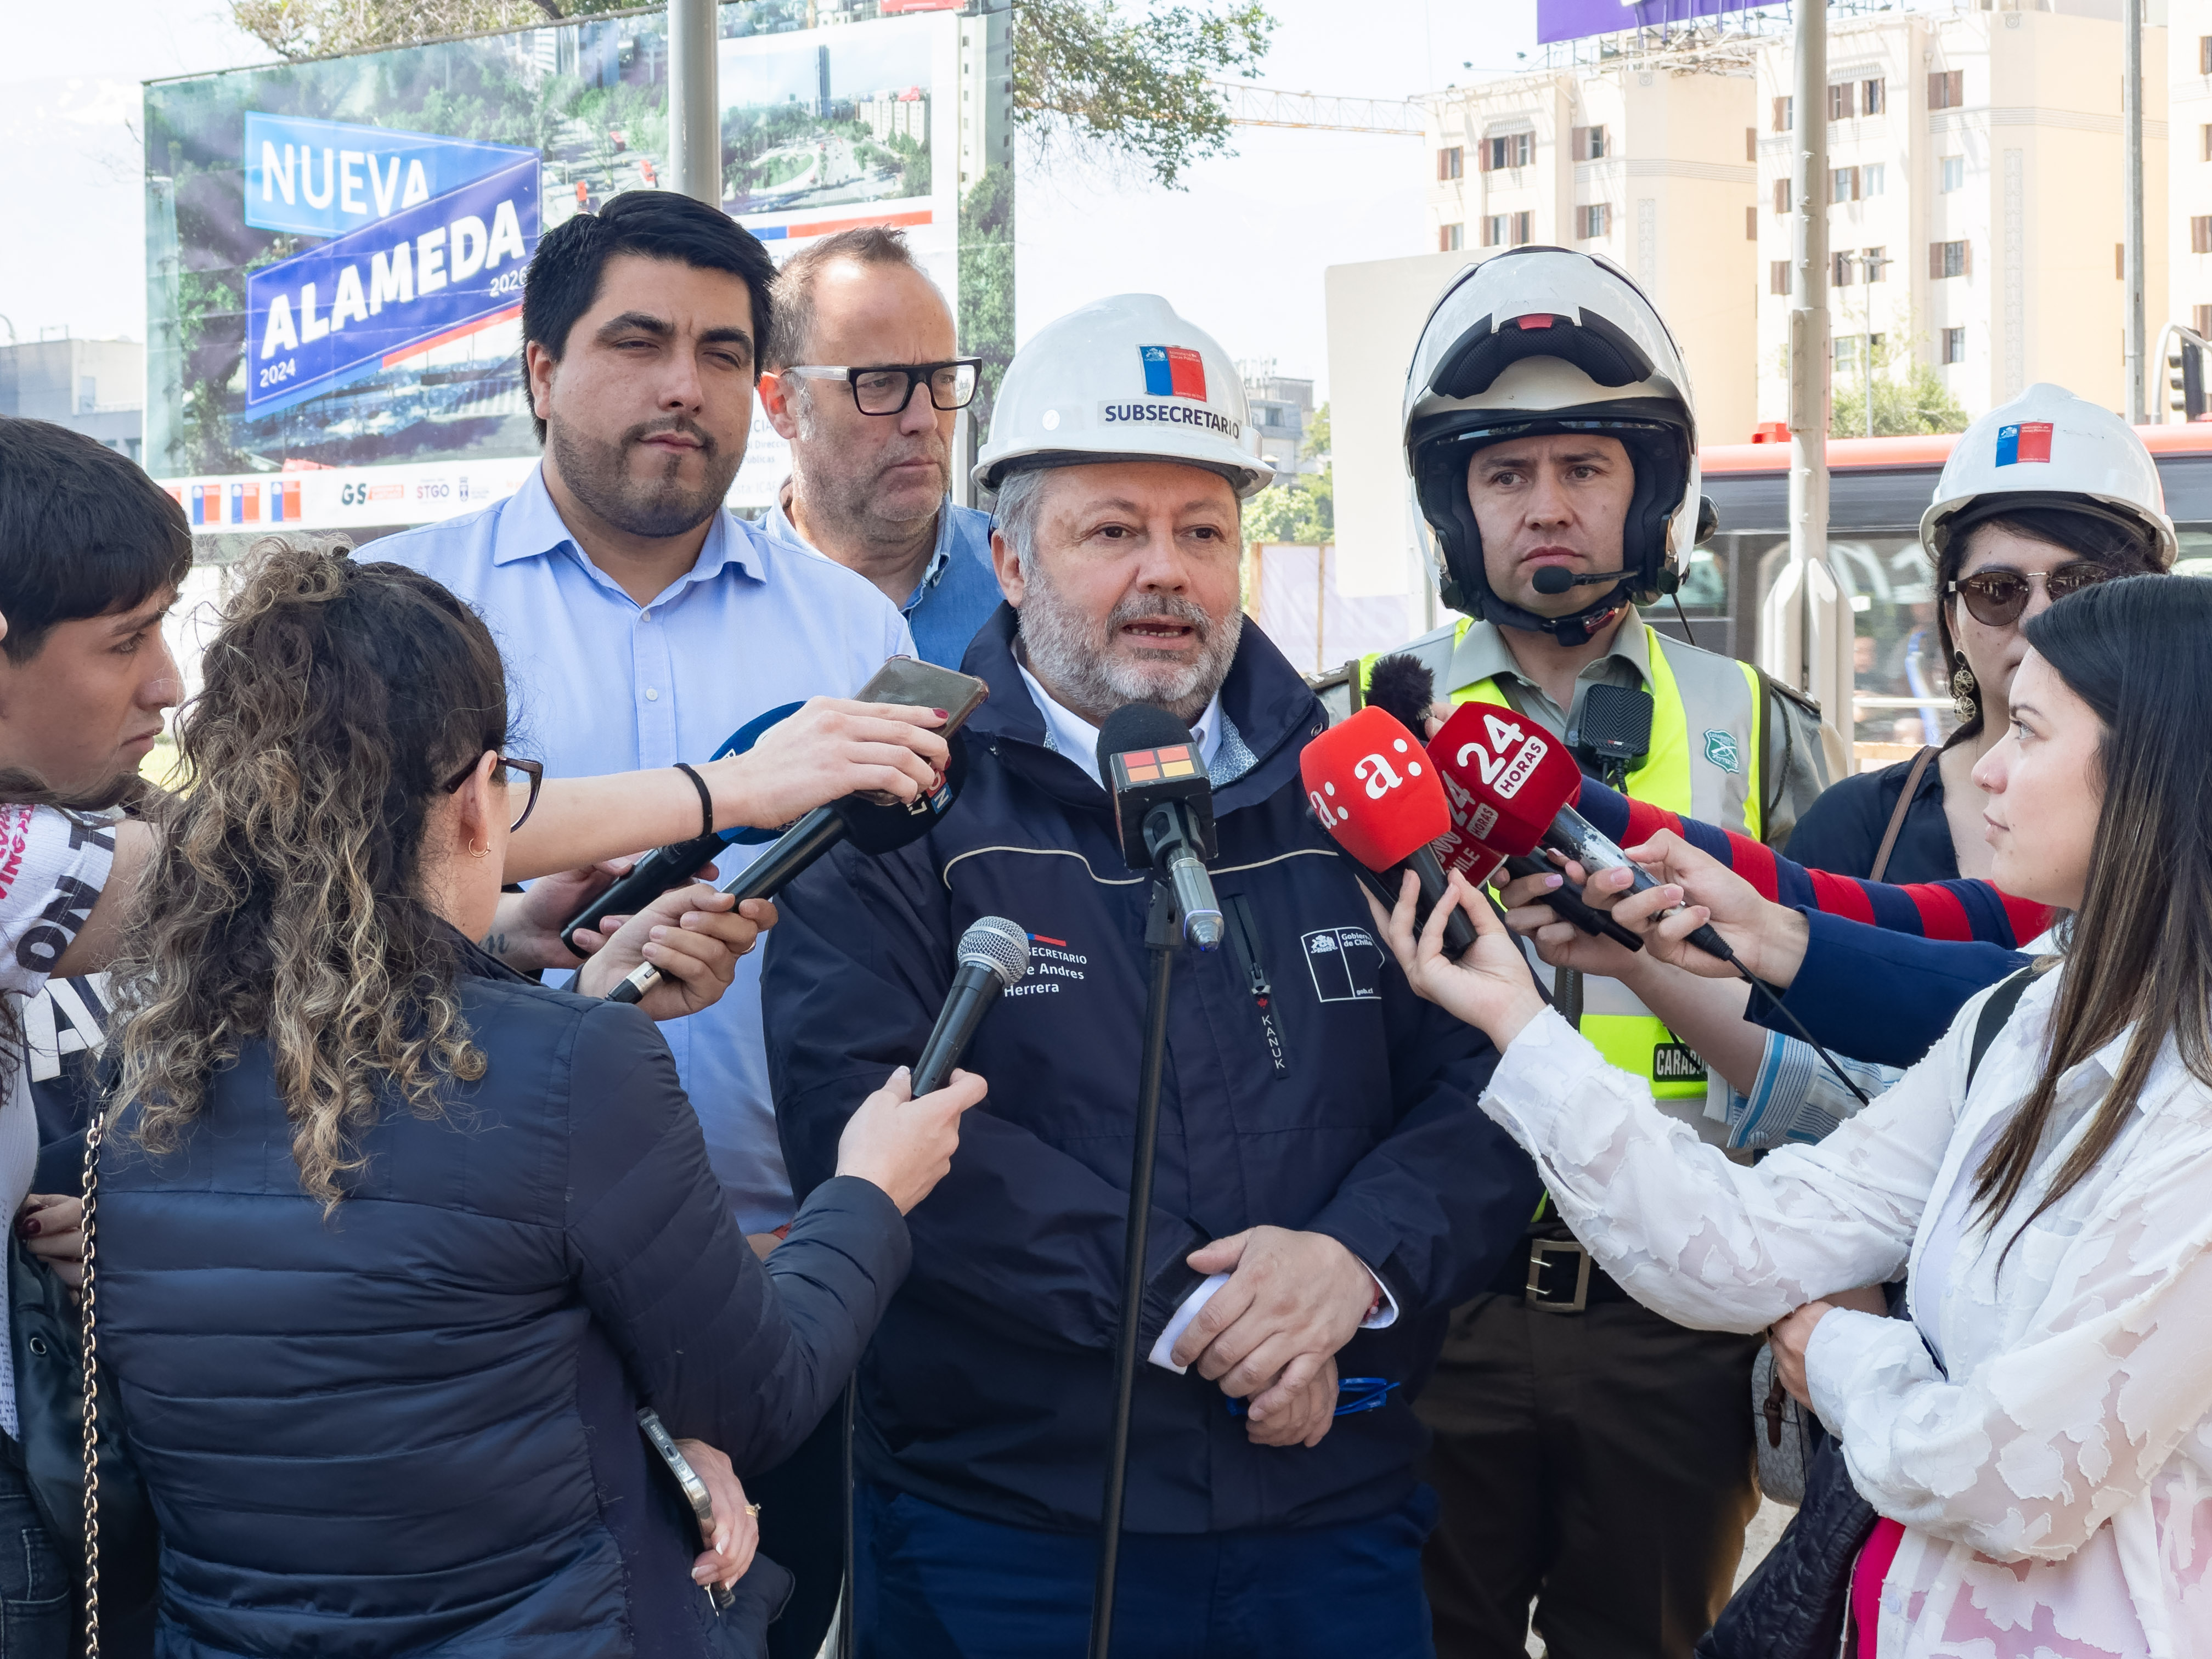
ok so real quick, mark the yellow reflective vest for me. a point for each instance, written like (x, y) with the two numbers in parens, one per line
(1707, 741)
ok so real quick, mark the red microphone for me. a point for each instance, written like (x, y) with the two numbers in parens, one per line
(1513, 786)
(1376, 791)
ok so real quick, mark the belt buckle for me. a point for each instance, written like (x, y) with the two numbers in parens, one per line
(1541, 1251)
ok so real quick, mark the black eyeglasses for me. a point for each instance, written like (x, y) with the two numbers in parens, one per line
(887, 388)
(1996, 597)
(534, 770)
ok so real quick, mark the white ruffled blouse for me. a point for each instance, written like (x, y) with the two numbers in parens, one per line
(2048, 1448)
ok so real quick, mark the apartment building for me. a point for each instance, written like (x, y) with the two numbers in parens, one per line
(1647, 164)
(1974, 199)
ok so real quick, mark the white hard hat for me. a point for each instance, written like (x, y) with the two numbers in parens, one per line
(1123, 380)
(1540, 340)
(2048, 448)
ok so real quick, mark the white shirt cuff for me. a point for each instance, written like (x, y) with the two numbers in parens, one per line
(1179, 1322)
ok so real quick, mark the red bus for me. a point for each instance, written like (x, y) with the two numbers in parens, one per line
(1878, 488)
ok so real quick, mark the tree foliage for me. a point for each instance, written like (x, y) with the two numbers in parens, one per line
(1303, 509)
(1909, 396)
(300, 29)
(1103, 84)
(987, 283)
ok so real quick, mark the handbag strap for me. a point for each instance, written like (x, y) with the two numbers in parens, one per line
(1904, 806)
(89, 1347)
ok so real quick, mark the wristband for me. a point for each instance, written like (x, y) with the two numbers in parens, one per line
(705, 799)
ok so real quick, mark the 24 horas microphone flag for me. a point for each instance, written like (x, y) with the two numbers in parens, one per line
(1505, 778)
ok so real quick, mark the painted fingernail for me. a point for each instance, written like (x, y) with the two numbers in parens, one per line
(28, 1226)
(941, 713)
(1551, 882)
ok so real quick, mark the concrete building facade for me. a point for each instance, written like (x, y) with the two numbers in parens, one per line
(1279, 408)
(97, 387)
(1974, 175)
(1643, 162)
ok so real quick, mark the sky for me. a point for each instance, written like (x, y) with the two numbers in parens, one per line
(1240, 253)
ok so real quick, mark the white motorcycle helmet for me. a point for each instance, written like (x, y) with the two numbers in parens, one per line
(1123, 380)
(1542, 340)
(2049, 449)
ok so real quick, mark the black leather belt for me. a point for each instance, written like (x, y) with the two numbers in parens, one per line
(1555, 1275)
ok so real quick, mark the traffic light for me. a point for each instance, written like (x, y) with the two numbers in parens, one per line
(2185, 365)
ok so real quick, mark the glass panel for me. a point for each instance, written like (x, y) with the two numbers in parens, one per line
(1705, 585)
(1903, 684)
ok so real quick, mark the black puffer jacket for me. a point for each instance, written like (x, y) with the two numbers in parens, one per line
(411, 1428)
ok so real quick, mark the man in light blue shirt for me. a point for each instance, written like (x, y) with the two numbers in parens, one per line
(640, 622)
(863, 380)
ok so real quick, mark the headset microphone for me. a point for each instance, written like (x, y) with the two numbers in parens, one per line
(1372, 785)
(1555, 580)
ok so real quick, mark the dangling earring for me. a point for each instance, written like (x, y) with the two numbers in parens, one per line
(1963, 687)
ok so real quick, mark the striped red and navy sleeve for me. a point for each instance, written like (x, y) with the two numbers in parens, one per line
(1961, 909)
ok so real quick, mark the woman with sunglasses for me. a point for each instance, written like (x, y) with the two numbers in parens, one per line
(2038, 1436)
(2039, 498)
(391, 1243)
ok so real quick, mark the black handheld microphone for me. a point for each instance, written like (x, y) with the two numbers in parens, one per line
(1556, 578)
(1580, 840)
(875, 827)
(1162, 809)
(993, 954)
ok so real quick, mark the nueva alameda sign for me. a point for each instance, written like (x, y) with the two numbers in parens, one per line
(443, 232)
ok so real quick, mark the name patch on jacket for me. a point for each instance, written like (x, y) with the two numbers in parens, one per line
(1346, 962)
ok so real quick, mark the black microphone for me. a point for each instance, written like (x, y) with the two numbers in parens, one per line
(647, 880)
(1556, 578)
(874, 826)
(1162, 809)
(993, 954)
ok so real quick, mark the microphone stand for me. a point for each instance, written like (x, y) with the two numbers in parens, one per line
(1163, 932)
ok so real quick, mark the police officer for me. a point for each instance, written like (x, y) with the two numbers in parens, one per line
(1591, 1456)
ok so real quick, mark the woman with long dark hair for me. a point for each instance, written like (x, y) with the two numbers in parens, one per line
(2038, 1435)
(2010, 531)
(391, 1243)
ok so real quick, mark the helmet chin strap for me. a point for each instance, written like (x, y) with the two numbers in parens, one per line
(1570, 631)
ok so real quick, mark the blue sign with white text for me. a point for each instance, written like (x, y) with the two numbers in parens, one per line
(442, 268)
(327, 177)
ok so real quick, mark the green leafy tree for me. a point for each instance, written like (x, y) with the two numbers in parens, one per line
(1093, 80)
(315, 28)
(987, 281)
(1302, 510)
(1909, 396)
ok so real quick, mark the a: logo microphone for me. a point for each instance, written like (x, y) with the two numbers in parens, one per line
(1373, 788)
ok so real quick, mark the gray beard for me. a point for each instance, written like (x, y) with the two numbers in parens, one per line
(654, 510)
(1070, 654)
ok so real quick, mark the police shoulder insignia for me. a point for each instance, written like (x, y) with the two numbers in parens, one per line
(1721, 749)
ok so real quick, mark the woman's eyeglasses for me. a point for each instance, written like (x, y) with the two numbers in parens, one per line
(534, 770)
(1996, 597)
(888, 388)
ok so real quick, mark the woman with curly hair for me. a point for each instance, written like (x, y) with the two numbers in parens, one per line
(392, 1242)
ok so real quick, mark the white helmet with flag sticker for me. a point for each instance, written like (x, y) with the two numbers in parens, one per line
(2049, 449)
(1543, 340)
(1123, 380)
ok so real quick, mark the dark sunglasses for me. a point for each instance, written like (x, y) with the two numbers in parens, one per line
(1996, 597)
(888, 388)
(534, 770)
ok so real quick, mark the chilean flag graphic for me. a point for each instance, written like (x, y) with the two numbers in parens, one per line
(2028, 441)
(1174, 372)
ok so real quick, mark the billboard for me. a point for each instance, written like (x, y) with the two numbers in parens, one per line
(1576, 20)
(336, 249)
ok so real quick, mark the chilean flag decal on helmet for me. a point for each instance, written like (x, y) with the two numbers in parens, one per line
(1173, 372)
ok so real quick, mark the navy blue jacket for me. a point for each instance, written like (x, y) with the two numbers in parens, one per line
(987, 1387)
(411, 1428)
(1876, 994)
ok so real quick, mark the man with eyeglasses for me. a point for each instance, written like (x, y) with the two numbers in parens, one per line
(863, 378)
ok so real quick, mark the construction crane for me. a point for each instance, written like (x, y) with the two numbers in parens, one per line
(1267, 106)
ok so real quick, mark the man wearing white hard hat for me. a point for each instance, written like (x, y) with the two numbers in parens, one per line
(1326, 1189)
(1591, 1457)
